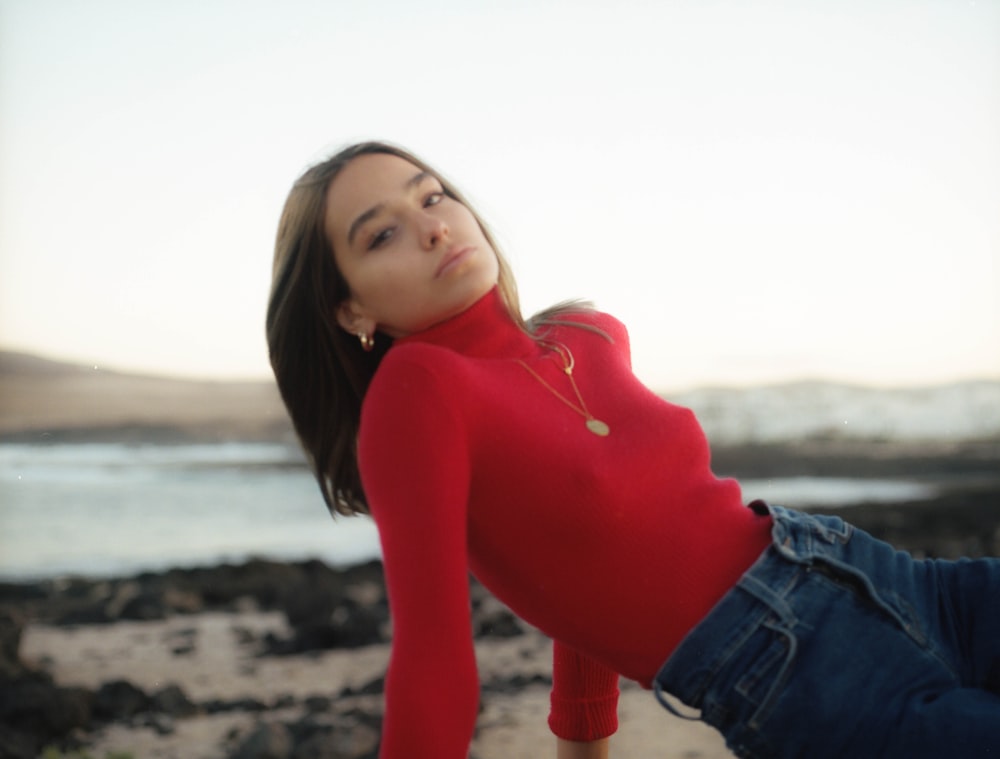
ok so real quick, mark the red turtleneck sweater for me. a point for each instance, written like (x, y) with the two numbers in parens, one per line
(614, 546)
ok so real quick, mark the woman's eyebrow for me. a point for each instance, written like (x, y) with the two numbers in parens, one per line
(412, 182)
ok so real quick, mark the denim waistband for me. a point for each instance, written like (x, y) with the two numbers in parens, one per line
(798, 540)
(834, 644)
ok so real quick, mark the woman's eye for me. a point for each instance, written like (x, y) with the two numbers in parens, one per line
(433, 199)
(380, 238)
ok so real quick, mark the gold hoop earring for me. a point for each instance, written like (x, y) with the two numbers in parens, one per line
(367, 342)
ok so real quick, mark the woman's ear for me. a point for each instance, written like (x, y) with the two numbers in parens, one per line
(350, 318)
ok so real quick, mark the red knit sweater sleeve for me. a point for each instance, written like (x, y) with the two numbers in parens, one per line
(584, 699)
(584, 696)
(414, 465)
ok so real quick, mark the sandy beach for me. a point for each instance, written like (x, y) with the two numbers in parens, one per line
(219, 662)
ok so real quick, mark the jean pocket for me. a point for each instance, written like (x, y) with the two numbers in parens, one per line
(763, 665)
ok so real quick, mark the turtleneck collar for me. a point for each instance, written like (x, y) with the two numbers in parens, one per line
(484, 330)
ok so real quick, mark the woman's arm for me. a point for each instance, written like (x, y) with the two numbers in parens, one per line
(415, 470)
(581, 750)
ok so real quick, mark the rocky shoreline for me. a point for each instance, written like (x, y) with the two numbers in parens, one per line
(276, 613)
(311, 608)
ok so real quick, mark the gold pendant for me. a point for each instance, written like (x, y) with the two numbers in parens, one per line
(598, 427)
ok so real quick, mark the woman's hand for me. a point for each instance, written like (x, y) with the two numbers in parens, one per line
(581, 750)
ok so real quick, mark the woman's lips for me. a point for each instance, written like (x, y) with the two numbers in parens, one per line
(452, 258)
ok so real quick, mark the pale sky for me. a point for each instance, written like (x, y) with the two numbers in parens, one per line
(762, 191)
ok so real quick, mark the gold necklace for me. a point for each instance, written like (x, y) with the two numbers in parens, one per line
(594, 424)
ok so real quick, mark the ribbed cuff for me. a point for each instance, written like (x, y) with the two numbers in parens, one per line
(580, 720)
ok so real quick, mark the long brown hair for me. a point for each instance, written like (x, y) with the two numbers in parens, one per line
(321, 370)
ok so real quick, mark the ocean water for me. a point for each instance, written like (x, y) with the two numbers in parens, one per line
(107, 509)
(110, 509)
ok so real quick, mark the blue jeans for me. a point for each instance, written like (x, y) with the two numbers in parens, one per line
(834, 644)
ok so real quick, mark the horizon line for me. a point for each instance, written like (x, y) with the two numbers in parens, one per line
(140, 373)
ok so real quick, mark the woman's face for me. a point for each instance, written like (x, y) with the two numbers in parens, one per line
(412, 256)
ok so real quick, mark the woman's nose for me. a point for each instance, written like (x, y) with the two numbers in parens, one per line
(433, 229)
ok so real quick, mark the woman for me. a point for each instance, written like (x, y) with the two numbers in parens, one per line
(529, 454)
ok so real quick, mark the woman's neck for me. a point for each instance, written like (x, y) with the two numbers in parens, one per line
(484, 330)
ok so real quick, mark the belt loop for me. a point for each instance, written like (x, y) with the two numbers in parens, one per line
(661, 696)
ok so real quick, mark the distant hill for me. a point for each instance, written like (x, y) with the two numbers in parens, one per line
(27, 365)
(52, 400)
(66, 401)
(963, 411)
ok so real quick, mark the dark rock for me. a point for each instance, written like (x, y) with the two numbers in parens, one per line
(244, 636)
(360, 716)
(309, 592)
(490, 617)
(16, 744)
(267, 741)
(962, 522)
(34, 704)
(76, 601)
(312, 600)
(144, 606)
(224, 586)
(120, 700)
(161, 724)
(68, 614)
(371, 688)
(11, 629)
(218, 706)
(21, 594)
(349, 626)
(334, 609)
(369, 573)
(516, 683)
(318, 704)
(501, 623)
(359, 743)
(183, 642)
(34, 711)
(846, 457)
(183, 601)
(342, 738)
(172, 701)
